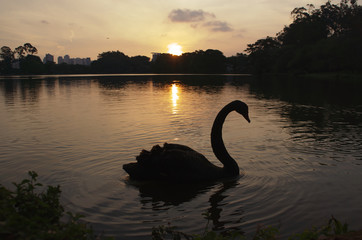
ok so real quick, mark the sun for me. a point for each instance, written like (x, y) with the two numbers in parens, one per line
(174, 49)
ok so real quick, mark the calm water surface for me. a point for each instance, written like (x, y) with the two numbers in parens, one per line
(301, 153)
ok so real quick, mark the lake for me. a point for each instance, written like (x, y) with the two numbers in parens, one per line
(301, 154)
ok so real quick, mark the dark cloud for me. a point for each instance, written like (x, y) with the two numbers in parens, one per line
(199, 18)
(187, 15)
(44, 22)
(218, 26)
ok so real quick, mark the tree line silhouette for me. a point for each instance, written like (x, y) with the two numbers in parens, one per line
(318, 40)
(327, 39)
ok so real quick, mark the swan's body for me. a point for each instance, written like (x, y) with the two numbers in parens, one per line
(175, 162)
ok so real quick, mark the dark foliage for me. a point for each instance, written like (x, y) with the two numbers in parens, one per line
(7, 57)
(237, 64)
(140, 64)
(209, 61)
(25, 63)
(31, 65)
(112, 62)
(319, 40)
(118, 62)
(27, 213)
(26, 49)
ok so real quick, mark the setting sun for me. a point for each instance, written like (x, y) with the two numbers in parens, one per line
(174, 49)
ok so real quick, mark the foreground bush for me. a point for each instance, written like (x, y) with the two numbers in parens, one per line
(329, 231)
(29, 213)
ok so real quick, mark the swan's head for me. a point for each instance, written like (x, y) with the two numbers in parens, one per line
(243, 109)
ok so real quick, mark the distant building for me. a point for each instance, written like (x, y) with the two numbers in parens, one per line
(60, 60)
(87, 61)
(155, 56)
(74, 61)
(67, 59)
(48, 58)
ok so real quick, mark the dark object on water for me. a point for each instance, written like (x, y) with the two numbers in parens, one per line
(179, 163)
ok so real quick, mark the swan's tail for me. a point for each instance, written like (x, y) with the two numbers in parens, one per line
(148, 157)
(146, 162)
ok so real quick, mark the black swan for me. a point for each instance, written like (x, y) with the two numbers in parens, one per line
(179, 163)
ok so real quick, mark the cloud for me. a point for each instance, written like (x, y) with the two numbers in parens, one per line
(44, 22)
(71, 36)
(218, 26)
(199, 18)
(187, 15)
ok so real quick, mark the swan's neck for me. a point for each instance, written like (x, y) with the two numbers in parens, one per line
(218, 145)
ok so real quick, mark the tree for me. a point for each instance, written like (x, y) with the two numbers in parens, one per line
(112, 62)
(31, 65)
(7, 57)
(209, 61)
(214, 61)
(262, 54)
(6, 53)
(140, 64)
(263, 45)
(26, 49)
(318, 40)
(166, 63)
(238, 63)
(30, 49)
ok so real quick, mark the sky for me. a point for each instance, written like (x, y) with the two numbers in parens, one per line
(86, 28)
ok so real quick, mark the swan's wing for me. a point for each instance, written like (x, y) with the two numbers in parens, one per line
(181, 163)
(173, 146)
(172, 162)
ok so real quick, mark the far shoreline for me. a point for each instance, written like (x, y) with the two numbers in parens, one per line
(122, 74)
(322, 76)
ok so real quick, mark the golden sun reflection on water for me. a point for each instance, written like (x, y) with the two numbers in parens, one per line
(175, 97)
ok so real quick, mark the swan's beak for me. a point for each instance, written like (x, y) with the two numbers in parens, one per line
(246, 116)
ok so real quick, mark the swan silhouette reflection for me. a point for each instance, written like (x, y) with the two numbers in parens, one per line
(162, 196)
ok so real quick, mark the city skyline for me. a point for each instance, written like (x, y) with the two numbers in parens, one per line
(87, 29)
(66, 59)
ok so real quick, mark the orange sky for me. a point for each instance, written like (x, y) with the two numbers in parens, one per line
(138, 27)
